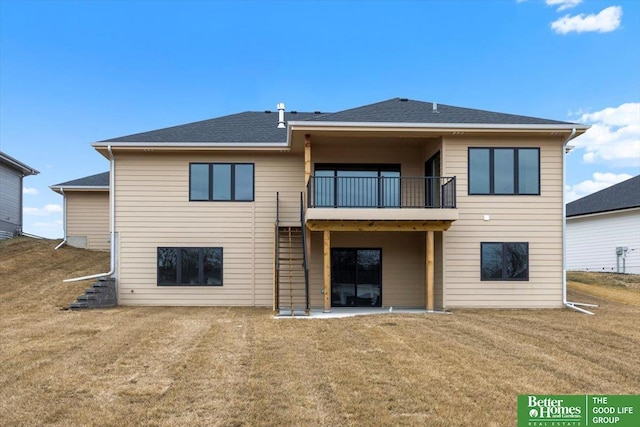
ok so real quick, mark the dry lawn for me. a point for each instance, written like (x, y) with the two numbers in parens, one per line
(241, 367)
(622, 288)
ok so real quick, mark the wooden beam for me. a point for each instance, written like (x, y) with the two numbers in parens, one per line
(307, 159)
(327, 271)
(429, 266)
(326, 225)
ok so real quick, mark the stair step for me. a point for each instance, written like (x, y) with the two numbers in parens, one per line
(86, 297)
(100, 285)
(78, 305)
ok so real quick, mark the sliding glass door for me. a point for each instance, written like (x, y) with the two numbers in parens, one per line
(356, 277)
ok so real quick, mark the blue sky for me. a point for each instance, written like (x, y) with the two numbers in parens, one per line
(76, 72)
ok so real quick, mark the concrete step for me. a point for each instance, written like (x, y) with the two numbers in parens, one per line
(78, 305)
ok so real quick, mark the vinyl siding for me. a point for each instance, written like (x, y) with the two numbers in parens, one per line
(153, 209)
(592, 241)
(10, 199)
(88, 218)
(533, 219)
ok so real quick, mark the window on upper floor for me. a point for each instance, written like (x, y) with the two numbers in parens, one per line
(504, 171)
(189, 266)
(504, 261)
(221, 182)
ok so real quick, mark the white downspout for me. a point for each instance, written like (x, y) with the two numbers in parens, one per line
(112, 198)
(64, 219)
(566, 303)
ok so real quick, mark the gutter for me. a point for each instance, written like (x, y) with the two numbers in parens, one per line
(443, 126)
(79, 188)
(112, 269)
(64, 219)
(16, 164)
(568, 304)
(195, 145)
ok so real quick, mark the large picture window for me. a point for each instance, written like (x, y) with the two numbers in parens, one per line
(504, 171)
(504, 261)
(189, 266)
(221, 182)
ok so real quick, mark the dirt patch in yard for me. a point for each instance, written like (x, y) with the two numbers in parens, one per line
(167, 366)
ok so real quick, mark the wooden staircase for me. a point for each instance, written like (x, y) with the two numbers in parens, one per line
(291, 287)
(292, 294)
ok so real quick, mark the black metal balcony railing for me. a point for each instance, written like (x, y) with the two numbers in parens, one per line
(381, 192)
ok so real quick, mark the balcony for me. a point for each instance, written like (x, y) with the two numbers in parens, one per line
(381, 198)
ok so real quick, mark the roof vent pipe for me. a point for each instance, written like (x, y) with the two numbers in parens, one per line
(435, 107)
(281, 124)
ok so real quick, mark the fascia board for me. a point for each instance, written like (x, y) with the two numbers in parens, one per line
(57, 188)
(193, 145)
(451, 127)
(18, 165)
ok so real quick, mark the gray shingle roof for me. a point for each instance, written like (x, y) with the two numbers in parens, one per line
(624, 195)
(249, 126)
(97, 180)
(403, 110)
(261, 127)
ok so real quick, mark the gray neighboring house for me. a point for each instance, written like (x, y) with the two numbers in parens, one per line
(11, 173)
(86, 211)
(603, 230)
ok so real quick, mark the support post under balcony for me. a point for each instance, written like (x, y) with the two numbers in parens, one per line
(429, 269)
(327, 271)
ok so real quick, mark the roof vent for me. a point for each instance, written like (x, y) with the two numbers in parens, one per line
(404, 99)
(294, 112)
(280, 108)
(267, 111)
(435, 107)
(317, 112)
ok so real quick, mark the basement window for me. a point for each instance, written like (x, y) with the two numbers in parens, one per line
(189, 266)
(506, 261)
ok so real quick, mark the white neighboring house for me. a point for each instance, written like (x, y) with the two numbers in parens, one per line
(603, 230)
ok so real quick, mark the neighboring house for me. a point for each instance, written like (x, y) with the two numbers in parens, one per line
(11, 173)
(603, 230)
(400, 203)
(86, 211)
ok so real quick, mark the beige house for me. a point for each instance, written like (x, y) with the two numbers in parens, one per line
(400, 203)
(86, 211)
